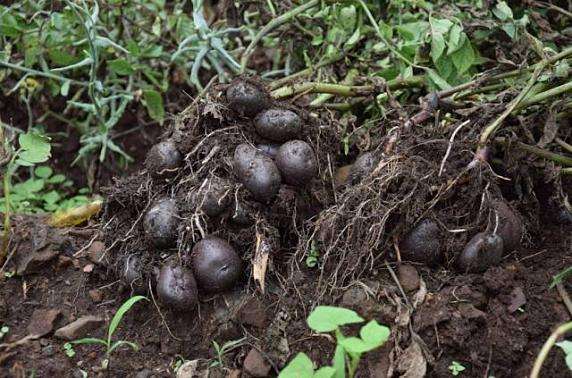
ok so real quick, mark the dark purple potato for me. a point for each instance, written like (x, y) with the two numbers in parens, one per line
(297, 162)
(160, 223)
(422, 244)
(362, 167)
(481, 252)
(245, 98)
(257, 172)
(177, 288)
(279, 125)
(215, 264)
(163, 159)
(270, 150)
(133, 274)
(509, 227)
(215, 197)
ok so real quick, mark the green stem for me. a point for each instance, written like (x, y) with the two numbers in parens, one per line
(282, 19)
(563, 160)
(344, 90)
(307, 71)
(48, 75)
(564, 328)
(566, 171)
(542, 96)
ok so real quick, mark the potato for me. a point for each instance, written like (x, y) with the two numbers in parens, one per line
(177, 288)
(297, 162)
(279, 125)
(160, 223)
(215, 197)
(362, 167)
(245, 98)
(422, 244)
(163, 159)
(509, 227)
(270, 150)
(257, 172)
(216, 265)
(481, 252)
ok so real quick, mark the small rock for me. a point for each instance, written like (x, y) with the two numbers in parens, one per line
(234, 373)
(96, 251)
(42, 322)
(88, 268)
(408, 277)
(80, 328)
(255, 364)
(96, 295)
(253, 313)
(189, 369)
(48, 350)
(354, 297)
(517, 299)
(33, 261)
(145, 373)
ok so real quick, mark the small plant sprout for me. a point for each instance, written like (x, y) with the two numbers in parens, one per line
(221, 351)
(108, 343)
(456, 368)
(348, 350)
(4, 331)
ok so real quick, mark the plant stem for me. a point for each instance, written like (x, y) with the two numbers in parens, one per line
(307, 71)
(542, 96)
(564, 160)
(48, 75)
(344, 90)
(566, 171)
(282, 19)
(566, 327)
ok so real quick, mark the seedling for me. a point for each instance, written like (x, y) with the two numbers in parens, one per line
(348, 350)
(221, 351)
(108, 343)
(456, 368)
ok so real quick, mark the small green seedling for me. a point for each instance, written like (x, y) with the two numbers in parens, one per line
(221, 351)
(456, 368)
(561, 276)
(4, 331)
(312, 259)
(566, 347)
(108, 343)
(348, 350)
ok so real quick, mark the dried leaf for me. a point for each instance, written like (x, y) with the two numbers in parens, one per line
(260, 261)
(412, 363)
(76, 215)
(550, 131)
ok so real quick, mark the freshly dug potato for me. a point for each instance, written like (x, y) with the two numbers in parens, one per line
(422, 244)
(297, 162)
(160, 223)
(132, 271)
(245, 98)
(279, 125)
(510, 226)
(481, 252)
(163, 159)
(257, 172)
(177, 288)
(215, 263)
(215, 197)
(270, 150)
(362, 167)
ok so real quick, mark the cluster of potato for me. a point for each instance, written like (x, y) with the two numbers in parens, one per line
(261, 168)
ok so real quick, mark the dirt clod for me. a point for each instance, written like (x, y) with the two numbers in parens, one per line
(255, 364)
(408, 277)
(43, 322)
(253, 313)
(80, 327)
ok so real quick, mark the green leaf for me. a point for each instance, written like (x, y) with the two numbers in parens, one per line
(51, 197)
(120, 67)
(438, 80)
(64, 90)
(561, 276)
(56, 179)
(119, 343)
(300, 367)
(89, 340)
(440, 25)
(374, 334)
(325, 372)
(502, 11)
(43, 171)
(464, 58)
(437, 46)
(154, 103)
(454, 39)
(329, 318)
(120, 313)
(35, 147)
(355, 345)
(339, 361)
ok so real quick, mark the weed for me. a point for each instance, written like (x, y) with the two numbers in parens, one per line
(561, 276)
(456, 368)
(221, 351)
(348, 350)
(108, 343)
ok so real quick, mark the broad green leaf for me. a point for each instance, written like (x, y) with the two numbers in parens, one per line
(154, 103)
(339, 362)
(325, 372)
(412, 31)
(454, 39)
(51, 197)
(35, 147)
(464, 58)
(509, 29)
(120, 67)
(300, 367)
(329, 318)
(373, 334)
(502, 11)
(43, 171)
(119, 314)
(440, 25)
(56, 179)
(437, 46)
(438, 80)
(355, 345)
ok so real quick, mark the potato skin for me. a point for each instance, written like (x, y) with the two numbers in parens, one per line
(481, 252)
(422, 244)
(509, 227)
(278, 125)
(177, 288)
(270, 150)
(245, 98)
(216, 265)
(160, 223)
(362, 167)
(297, 162)
(215, 197)
(257, 172)
(163, 159)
